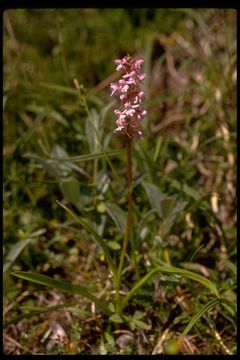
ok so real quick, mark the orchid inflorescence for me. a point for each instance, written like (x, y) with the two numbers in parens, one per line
(131, 96)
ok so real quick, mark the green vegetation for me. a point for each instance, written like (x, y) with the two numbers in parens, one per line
(65, 186)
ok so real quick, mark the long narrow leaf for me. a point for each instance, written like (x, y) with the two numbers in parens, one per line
(61, 285)
(32, 313)
(65, 89)
(95, 235)
(190, 275)
(37, 310)
(172, 270)
(87, 157)
(78, 158)
(138, 285)
(199, 314)
(19, 247)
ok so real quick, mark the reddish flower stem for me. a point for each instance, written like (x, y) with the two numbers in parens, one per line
(128, 223)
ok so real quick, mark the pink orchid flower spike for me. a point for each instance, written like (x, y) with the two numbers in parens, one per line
(131, 96)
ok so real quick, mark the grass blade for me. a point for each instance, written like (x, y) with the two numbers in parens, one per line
(95, 235)
(78, 158)
(138, 285)
(157, 149)
(200, 313)
(61, 285)
(190, 275)
(27, 315)
(19, 247)
(61, 88)
(171, 270)
(37, 310)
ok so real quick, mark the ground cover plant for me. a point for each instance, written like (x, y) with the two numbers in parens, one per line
(73, 282)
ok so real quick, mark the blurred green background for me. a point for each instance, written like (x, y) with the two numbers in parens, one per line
(184, 169)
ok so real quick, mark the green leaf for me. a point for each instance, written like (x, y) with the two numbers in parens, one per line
(59, 152)
(172, 270)
(37, 310)
(167, 206)
(141, 324)
(190, 275)
(194, 194)
(25, 137)
(18, 248)
(70, 188)
(105, 110)
(55, 166)
(157, 149)
(69, 90)
(230, 306)
(155, 196)
(138, 315)
(171, 208)
(77, 310)
(33, 312)
(117, 215)
(114, 245)
(103, 181)
(61, 285)
(92, 131)
(116, 318)
(56, 115)
(200, 313)
(143, 223)
(86, 157)
(109, 338)
(65, 89)
(76, 193)
(95, 236)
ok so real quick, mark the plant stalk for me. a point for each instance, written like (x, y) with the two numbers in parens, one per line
(128, 224)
